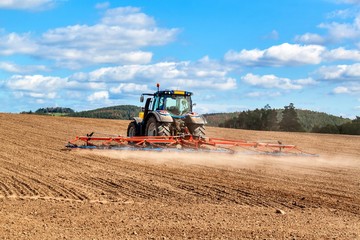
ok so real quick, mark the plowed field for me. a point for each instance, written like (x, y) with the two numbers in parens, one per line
(47, 193)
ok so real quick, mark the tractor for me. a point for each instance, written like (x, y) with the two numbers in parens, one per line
(167, 113)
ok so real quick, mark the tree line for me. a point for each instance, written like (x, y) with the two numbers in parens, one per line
(268, 119)
(123, 112)
(352, 128)
(51, 110)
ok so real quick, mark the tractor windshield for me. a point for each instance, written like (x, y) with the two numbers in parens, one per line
(177, 104)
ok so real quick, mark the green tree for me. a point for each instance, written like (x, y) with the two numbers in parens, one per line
(290, 121)
(269, 119)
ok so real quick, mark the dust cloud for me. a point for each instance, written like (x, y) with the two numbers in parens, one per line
(240, 159)
(236, 160)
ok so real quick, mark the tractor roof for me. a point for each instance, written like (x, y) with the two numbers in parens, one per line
(169, 92)
(173, 92)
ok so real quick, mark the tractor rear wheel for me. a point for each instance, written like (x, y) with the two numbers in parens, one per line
(132, 131)
(155, 128)
(197, 130)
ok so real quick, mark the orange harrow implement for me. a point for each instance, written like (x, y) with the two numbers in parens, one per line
(182, 143)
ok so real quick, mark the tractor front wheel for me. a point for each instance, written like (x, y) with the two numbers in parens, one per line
(155, 128)
(132, 131)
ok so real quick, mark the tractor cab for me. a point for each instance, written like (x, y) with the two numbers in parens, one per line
(176, 103)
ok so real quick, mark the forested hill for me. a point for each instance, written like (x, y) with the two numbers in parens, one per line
(310, 119)
(124, 112)
(307, 119)
(289, 119)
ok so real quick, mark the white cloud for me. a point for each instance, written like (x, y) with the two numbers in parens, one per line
(14, 68)
(223, 84)
(281, 55)
(26, 4)
(14, 43)
(340, 72)
(129, 88)
(310, 38)
(160, 71)
(341, 89)
(102, 5)
(270, 81)
(263, 94)
(274, 35)
(342, 54)
(36, 83)
(97, 96)
(352, 88)
(117, 38)
(340, 31)
(343, 13)
(129, 17)
(39, 86)
(199, 74)
(291, 55)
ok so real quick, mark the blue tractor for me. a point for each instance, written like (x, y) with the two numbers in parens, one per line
(167, 113)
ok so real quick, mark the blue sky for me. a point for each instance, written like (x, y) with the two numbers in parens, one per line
(234, 55)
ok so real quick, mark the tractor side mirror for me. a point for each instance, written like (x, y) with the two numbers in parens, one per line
(142, 98)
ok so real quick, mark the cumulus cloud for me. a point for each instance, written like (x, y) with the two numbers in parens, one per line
(14, 43)
(14, 68)
(129, 88)
(257, 94)
(353, 88)
(340, 31)
(310, 38)
(99, 96)
(342, 54)
(160, 71)
(224, 84)
(36, 83)
(291, 55)
(125, 80)
(26, 4)
(343, 13)
(340, 72)
(335, 31)
(274, 35)
(117, 38)
(202, 73)
(39, 86)
(102, 5)
(36, 95)
(281, 55)
(271, 81)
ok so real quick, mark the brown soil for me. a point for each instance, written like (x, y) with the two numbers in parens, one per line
(47, 193)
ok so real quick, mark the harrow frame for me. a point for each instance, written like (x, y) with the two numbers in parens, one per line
(182, 143)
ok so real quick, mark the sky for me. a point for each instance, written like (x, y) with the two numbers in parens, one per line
(233, 55)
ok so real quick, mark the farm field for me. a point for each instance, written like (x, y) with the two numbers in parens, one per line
(48, 193)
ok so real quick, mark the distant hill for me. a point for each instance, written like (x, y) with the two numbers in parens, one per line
(308, 119)
(216, 119)
(123, 112)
